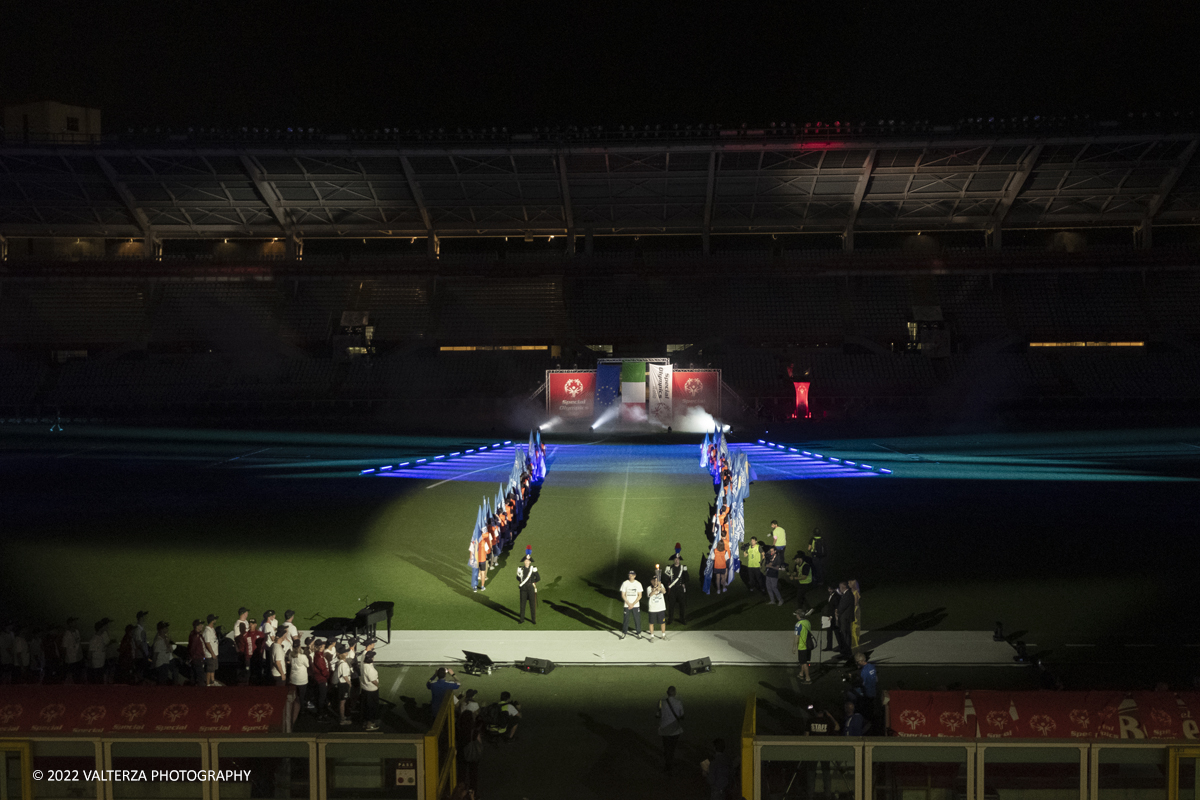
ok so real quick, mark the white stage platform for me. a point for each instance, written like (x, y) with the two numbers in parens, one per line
(740, 648)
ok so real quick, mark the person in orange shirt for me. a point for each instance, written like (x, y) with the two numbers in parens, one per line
(721, 565)
(482, 549)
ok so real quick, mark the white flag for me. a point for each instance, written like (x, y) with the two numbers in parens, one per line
(659, 401)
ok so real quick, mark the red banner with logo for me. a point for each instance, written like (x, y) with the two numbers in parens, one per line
(802, 411)
(570, 395)
(918, 714)
(1048, 715)
(74, 710)
(699, 388)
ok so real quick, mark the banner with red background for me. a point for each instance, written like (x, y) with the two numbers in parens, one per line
(921, 714)
(570, 395)
(696, 388)
(74, 710)
(1047, 715)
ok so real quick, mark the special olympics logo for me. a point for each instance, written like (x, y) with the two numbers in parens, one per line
(261, 711)
(693, 386)
(218, 713)
(175, 712)
(1042, 723)
(953, 720)
(133, 711)
(52, 712)
(1079, 717)
(10, 712)
(1160, 717)
(573, 387)
(998, 719)
(912, 718)
(92, 714)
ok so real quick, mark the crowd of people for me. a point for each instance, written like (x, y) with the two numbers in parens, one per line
(500, 520)
(324, 676)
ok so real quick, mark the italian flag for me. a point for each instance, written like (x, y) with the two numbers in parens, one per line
(633, 391)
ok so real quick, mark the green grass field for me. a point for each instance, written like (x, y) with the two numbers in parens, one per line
(186, 523)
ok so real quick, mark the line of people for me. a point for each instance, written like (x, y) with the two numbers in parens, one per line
(500, 521)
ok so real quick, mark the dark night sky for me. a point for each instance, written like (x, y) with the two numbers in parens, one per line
(341, 64)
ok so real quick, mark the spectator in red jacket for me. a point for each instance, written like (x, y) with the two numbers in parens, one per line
(196, 651)
(320, 674)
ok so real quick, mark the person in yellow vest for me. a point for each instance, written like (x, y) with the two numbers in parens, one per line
(803, 631)
(800, 573)
(780, 537)
(753, 561)
(856, 626)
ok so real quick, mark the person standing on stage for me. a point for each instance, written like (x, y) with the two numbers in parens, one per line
(803, 631)
(844, 620)
(676, 580)
(631, 597)
(818, 552)
(657, 601)
(720, 565)
(779, 535)
(527, 581)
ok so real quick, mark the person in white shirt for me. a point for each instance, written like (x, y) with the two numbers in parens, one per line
(298, 680)
(368, 681)
(279, 655)
(211, 651)
(341, 683)
(72, 651)
(288, 623)
(268, 626)
(98, 651)
(658, 606)
(631, 597)
(165, 670)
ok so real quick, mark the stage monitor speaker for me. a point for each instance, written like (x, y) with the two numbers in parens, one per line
(539, 665)
(696, 666)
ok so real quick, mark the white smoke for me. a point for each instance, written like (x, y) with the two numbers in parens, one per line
(697, 420)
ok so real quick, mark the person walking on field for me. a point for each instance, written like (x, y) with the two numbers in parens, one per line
(720, 566)
(631, 597)
(670, 717)
(804, 641)
(753, 562)
(779, 535)
(770, 568)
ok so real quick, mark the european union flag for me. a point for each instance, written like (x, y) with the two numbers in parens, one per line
(608, 386)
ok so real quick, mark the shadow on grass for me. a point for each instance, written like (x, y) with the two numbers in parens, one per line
(917, 622)
(622, 746)
(452, 576)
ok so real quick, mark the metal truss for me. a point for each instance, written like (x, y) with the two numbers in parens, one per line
(768, 184)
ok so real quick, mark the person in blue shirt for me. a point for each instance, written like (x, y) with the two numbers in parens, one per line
(854, 724)
(439, 687)
(870, 683)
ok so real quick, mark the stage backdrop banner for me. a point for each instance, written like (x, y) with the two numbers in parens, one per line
(633, 391)
(699, 388)
(72, 710)
(659, 401)
(570, 395)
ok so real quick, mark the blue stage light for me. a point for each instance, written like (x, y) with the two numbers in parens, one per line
(805, 452)
(866, 466)
(456, 454)
(421, 460)
(405, 464)
(793, 450)
(365, 471)
(760, 441)
(470, 451)
(886, 471)
(851, 463)
(508, 441)
(435, 458)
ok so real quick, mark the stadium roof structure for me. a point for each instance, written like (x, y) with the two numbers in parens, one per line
(809, 180)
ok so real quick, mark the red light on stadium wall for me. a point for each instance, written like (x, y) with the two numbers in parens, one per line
(822, 145)
(802, 410)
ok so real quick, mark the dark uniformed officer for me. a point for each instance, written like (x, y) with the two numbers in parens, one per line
(527, 580)
(676, 580)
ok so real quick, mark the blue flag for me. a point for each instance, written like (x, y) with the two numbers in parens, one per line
(608, 386)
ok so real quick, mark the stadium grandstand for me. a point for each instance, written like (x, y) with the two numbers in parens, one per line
(1014, 266)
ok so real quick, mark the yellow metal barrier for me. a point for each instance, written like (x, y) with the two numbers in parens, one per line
(441, 768)
(26, 777)
(749, 725)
